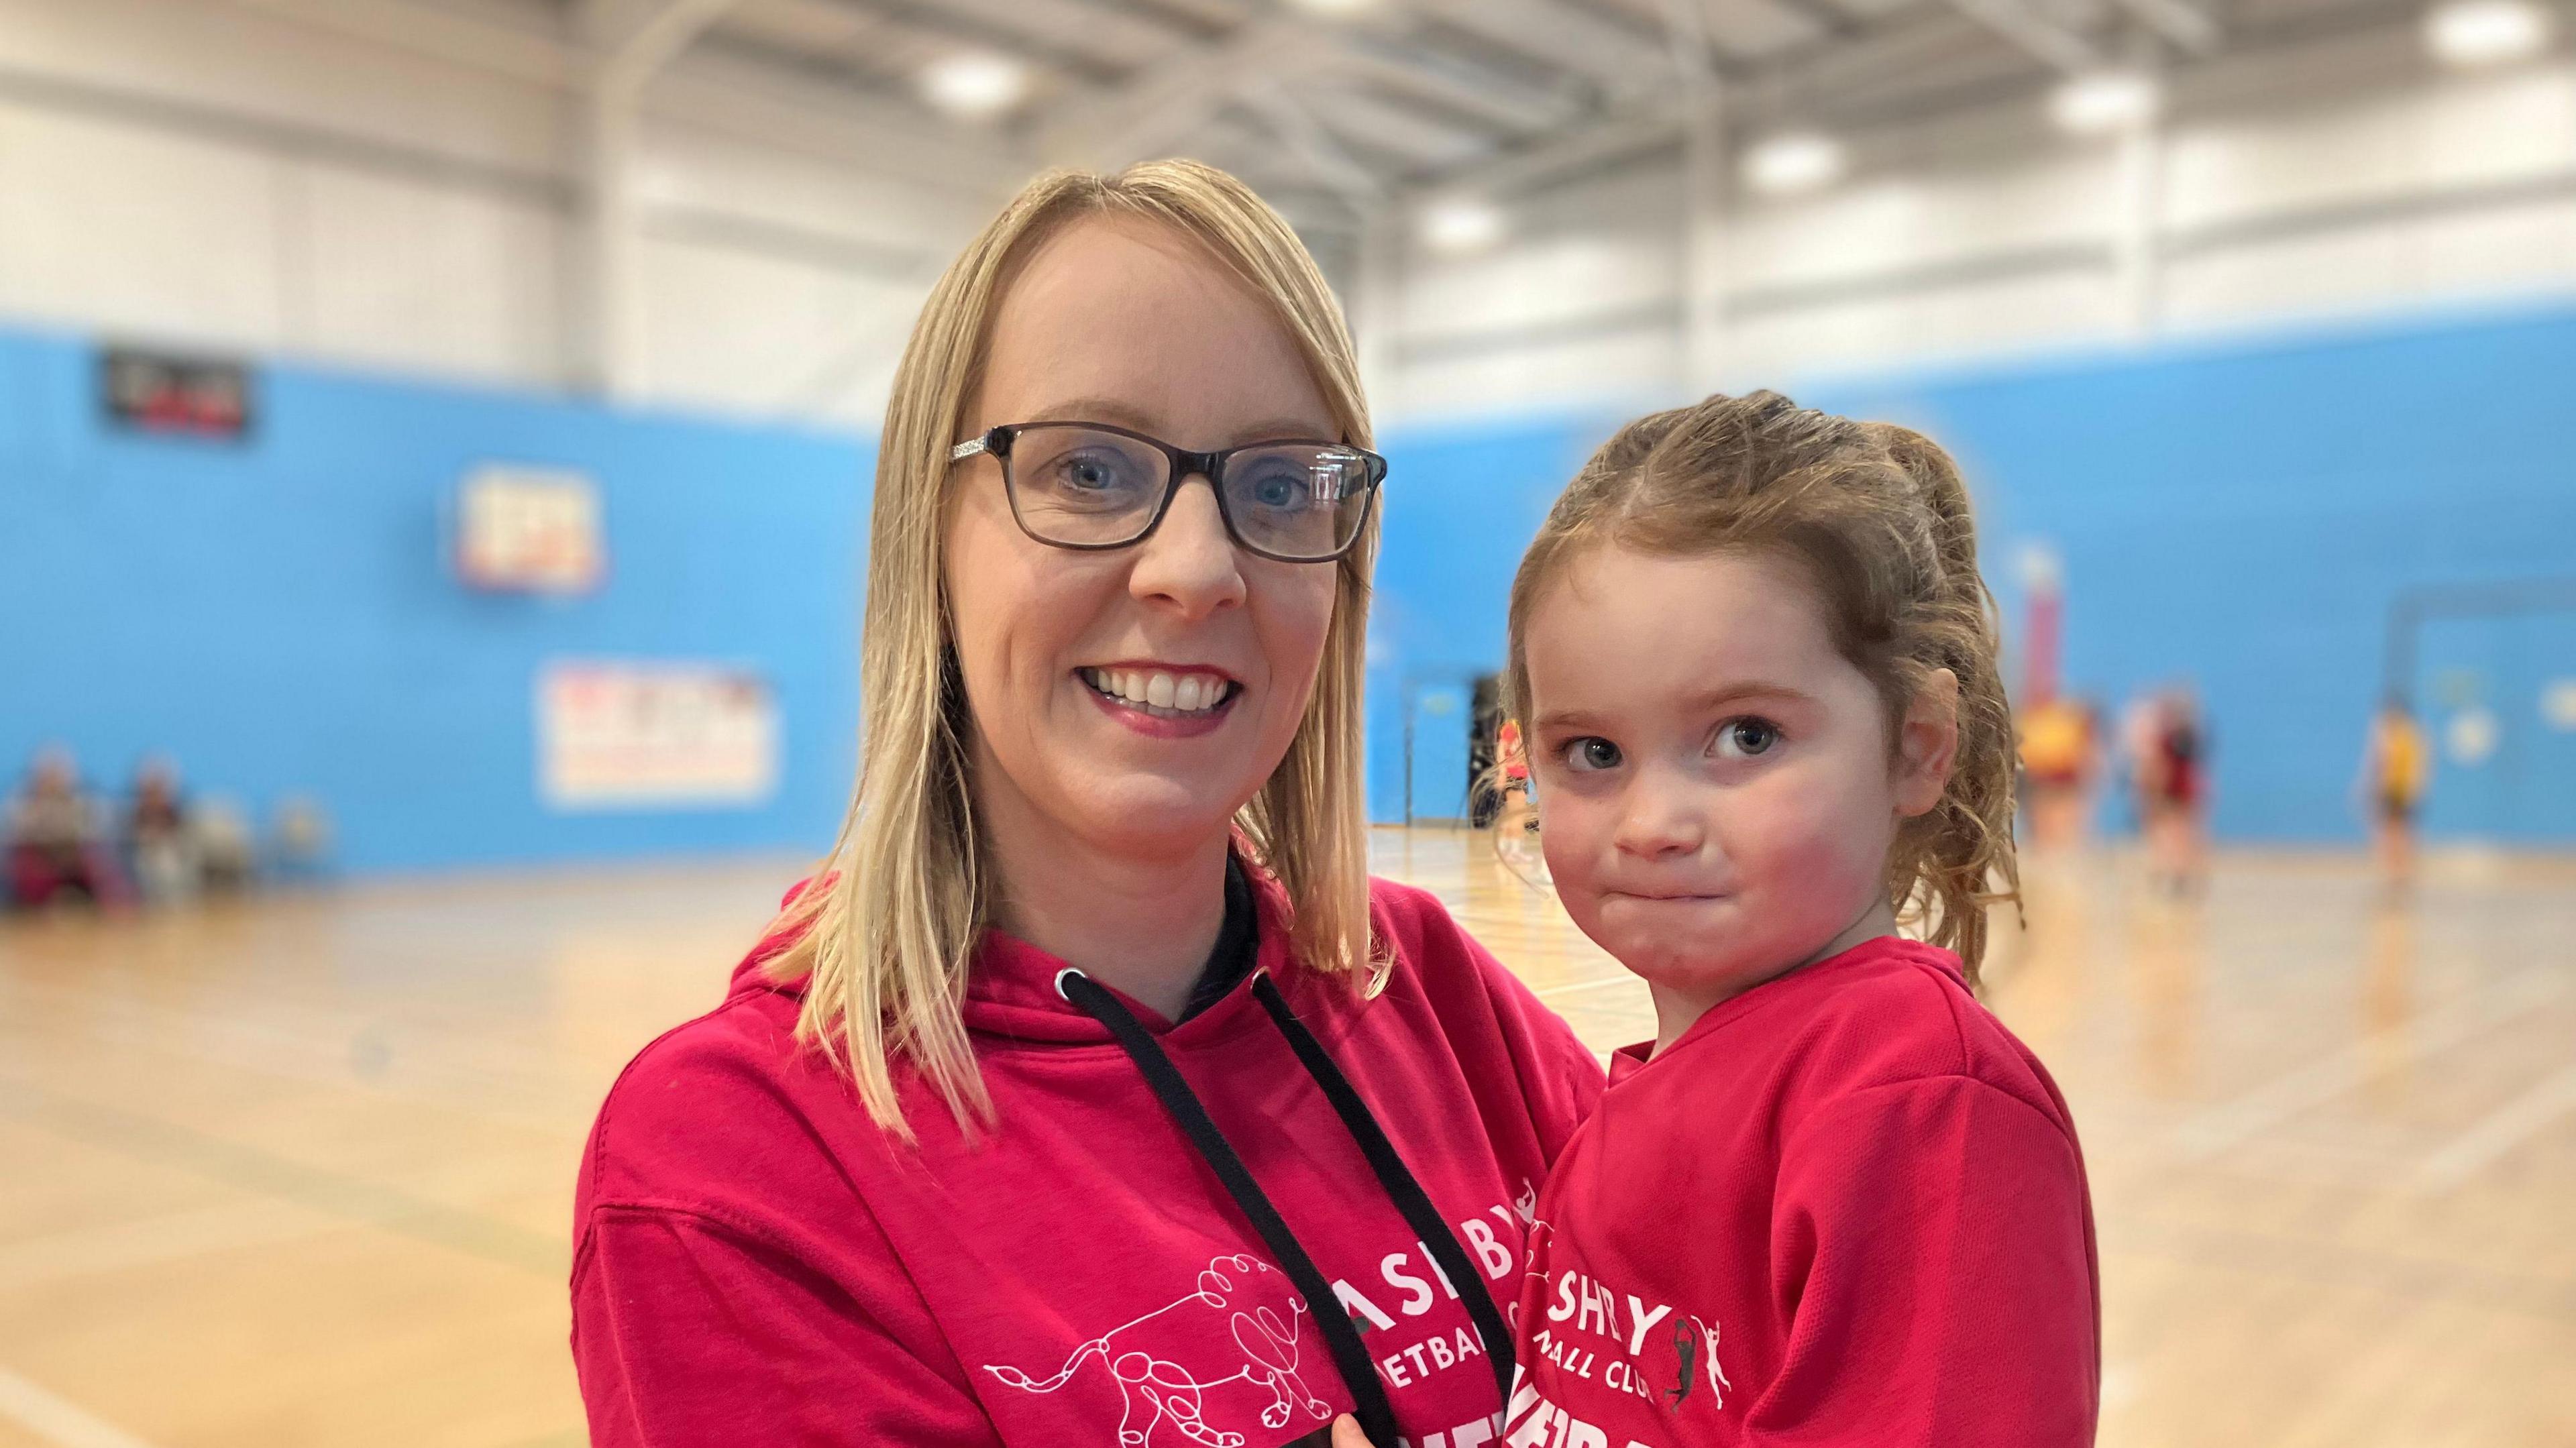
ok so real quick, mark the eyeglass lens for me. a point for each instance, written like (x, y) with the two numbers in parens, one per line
(1087, 488)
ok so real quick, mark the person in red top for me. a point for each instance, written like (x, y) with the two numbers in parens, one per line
(1834, 1201)
(1092, 1094)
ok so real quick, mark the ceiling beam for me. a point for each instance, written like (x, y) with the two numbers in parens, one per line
(1619, 60)
(705, 88)
(518, 52)
(1162, 110)
(1828, 19)
(635, 39)
(1508, 109)
(1307, 140)
(1003, 28)
(2185, 24)
(2042, 38)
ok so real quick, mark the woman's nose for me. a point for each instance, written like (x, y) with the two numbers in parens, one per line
(1190, 562)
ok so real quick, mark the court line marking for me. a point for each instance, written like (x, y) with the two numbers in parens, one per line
(58, 1420)
(2503, 1129)
(152, 1241)
(335, 1193)
(2228, 1123)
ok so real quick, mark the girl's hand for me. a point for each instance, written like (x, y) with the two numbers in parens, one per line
(1347, 1434)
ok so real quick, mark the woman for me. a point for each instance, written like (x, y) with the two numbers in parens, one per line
(1094, 1094)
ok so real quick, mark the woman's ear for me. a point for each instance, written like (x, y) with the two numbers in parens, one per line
(1927, 743)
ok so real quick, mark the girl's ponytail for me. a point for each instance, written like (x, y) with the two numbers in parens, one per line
(1951, 864)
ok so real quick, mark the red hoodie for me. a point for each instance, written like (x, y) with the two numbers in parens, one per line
(757, 1263)
(1846, 1207)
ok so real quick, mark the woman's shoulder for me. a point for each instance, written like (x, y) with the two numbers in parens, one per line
(1423, 942)
(1401, 912)
(1508, 1041)
(717, 1117)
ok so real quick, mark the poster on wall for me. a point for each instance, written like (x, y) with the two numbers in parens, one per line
(617, 735)
(529, 530)
(164, 394)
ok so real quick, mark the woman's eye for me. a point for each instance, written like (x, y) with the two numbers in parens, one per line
(1748, 736)
(1089, 474)
(1280, 491)
(1591, 753)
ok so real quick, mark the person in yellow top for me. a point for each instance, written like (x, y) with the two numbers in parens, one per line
(2396, 768)
(2059, 754)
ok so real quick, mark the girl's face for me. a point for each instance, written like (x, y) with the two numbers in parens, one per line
(1716, 790)
(1125, 322)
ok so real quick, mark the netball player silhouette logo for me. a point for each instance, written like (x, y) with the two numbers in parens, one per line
(1240, 1326)
(1694, 1348)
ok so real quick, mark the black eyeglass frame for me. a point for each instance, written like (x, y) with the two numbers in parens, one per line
(996, 442)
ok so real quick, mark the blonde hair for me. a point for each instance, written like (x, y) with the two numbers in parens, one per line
(883, 936)
(1879, 517)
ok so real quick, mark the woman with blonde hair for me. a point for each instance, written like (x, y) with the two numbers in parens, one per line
(1092, 1093)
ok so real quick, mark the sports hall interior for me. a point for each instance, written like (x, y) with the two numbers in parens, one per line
(2252, 322)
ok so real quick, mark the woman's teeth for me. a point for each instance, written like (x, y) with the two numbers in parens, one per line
(1165, 696)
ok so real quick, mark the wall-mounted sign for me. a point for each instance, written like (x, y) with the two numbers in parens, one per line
(617, 735)
(529, 530)
(174, 396)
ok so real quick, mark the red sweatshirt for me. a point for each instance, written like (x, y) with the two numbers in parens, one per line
(757, 1263)
(1846, 1207)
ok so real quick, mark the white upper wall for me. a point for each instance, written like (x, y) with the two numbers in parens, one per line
(280, 176)
(2347, 177)
(396, 184)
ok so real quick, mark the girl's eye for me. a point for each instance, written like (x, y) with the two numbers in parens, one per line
(1591, 753)
(1748, 736)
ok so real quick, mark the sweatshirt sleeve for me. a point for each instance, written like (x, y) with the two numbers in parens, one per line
(1559, 1076)
(1932, 1254)
(690, 1334)
(1521, 1058)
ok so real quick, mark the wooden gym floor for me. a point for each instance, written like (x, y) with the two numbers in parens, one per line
(296, 1171)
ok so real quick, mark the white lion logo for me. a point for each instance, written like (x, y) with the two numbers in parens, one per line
(1240, 1300)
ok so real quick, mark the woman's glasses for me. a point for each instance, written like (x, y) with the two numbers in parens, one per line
(1090, 485)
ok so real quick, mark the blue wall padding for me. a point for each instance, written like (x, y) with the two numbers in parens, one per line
(280, 615)
(2234, 515)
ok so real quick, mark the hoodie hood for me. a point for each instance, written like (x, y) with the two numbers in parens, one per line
(1011, 991)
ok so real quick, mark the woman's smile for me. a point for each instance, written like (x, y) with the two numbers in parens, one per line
(1163, 701)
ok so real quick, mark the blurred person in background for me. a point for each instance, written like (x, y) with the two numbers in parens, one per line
(2396, 766)
(158, 845)
(226, 845)
(1511, 757)
(2060, 756)
(2174, 791)
(58, 837)
(300, 837)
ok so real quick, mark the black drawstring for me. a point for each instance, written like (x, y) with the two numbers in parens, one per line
(1376, 1415)
(1350, 1355)
(1398, 1181)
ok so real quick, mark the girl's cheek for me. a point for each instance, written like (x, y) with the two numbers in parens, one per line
(1806, 841)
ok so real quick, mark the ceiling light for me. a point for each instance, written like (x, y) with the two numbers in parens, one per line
(1337, 9)
(1793, 161)
(974, 83)
(1462, 224)
(2103, 101)
(2486, 32)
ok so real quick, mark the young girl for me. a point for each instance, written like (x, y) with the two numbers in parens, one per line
(1834, 1201)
